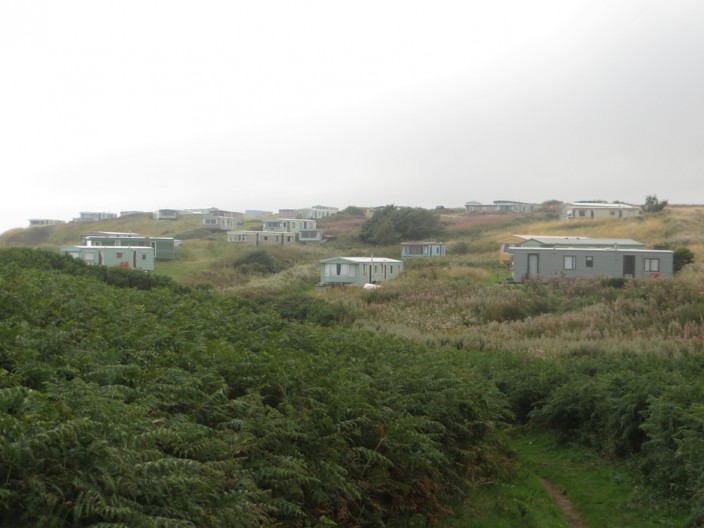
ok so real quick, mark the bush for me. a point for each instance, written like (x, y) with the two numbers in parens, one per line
(459, 248)
(391, 225)
(258, 262)
(653, 205)
(681, 257)
(615, 282)
(308, 309)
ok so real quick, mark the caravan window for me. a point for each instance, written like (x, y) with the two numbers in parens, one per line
(652, 264)
(339, 270)
(569, 262)
(589, 263)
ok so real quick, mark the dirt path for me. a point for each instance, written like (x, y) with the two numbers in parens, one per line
(566, 504)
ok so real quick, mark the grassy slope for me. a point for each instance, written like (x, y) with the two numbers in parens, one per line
(451, 291)
(204, 257)
(435, 286)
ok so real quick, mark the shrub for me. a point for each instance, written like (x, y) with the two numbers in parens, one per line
(681, 257)
(299, 307)
(653, 205)
(615, 282)
(392, 224)
(258, 262)
(459, 248)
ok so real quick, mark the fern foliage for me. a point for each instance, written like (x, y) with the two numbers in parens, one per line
(129, 402)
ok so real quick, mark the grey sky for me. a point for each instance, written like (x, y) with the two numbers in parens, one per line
(139, 105)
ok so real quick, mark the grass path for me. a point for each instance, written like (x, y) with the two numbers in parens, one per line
(558, 486)
(591, 491)
(565, 504)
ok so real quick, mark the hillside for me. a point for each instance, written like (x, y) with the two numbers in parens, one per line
(55, 236)
(458, 300)
(472, 241)
(265, 400)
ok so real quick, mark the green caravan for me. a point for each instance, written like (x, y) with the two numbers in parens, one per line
(131, 257)
(164, 247)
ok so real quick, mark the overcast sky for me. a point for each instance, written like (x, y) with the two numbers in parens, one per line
(140, 105)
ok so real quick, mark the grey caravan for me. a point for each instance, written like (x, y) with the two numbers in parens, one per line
(533, 262)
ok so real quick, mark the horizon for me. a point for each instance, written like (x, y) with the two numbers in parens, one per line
(275, 212)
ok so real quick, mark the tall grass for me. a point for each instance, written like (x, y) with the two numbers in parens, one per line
(559, 317)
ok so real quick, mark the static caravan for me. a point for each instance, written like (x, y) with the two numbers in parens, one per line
(90, 216)
(317, 212)
(553, 241)
(537, 262)
(305, 229)
(220, 220)
(167, 214)
(596, 210)
(499, 206)
(518, 240)
(288, 225)
(584, 242)
(44, 222)
(358, 270)
(310, 235)
(261, 238)
(422, 249)
(132, 257)
(164, 247)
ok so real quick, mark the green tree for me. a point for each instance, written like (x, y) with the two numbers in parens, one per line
(391, 225)
(653, 205)
(681, 258)
(258, 262)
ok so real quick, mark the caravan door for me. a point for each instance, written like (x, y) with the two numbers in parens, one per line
(532, 265)
(629, 265)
